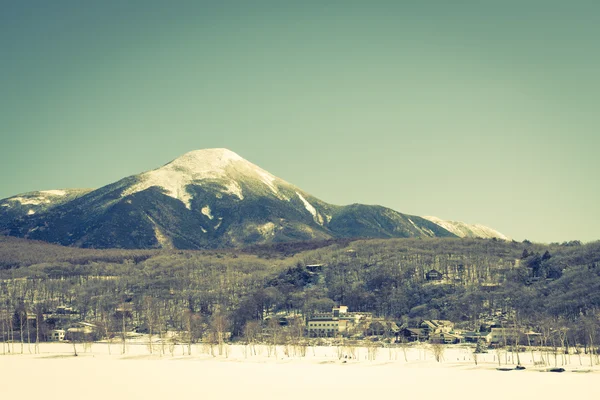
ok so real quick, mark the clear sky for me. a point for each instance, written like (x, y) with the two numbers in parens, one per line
(480, 111)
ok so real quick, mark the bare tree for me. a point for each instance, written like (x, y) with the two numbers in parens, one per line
(438, 350)
(28, 329)
(252, 330)
(403, 345)
(372, 350)
(150, 312)
(274, 330)
(39, 320)
(219, 326)
(296, 329)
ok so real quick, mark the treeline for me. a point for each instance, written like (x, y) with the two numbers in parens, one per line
(16, 253)
(240, 290)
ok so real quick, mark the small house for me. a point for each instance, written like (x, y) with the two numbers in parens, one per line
(533, 338)
(412, 334)
(474, 337)
(431, 326)
(315, 268)
(57, 335)
(434, 275)
(446, 338)
(81, 331)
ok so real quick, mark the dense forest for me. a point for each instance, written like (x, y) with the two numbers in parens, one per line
(554, 287)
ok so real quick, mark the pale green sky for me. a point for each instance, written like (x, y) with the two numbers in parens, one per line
(480, 111)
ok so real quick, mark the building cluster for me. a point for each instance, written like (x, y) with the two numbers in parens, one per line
(442, 331)
(341, 322)
(62, 323)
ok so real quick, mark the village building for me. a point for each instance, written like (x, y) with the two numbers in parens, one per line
(474, 337)
(533, 338)
(315, 268)
(81, 331)
(431, 326)
(434, 275)
(60, 317)
(412, 335)
(446, 338)
(57, 335)
(337, 322)
(506, 335)
(510, 335)
(380, 327)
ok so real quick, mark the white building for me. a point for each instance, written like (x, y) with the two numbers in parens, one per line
(338, 321)
(57, 335)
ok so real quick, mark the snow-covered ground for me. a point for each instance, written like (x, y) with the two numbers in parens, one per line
(323, 373)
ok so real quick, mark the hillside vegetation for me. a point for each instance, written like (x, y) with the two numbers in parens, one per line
(186, 289)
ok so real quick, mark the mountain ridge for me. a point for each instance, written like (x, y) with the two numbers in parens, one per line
(207, 198)
(462, 229)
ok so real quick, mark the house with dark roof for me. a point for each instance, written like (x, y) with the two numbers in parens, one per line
(434, 275)
(412, 335)
(431, 326)
(379, 327)
(446, 338)
(474, 337)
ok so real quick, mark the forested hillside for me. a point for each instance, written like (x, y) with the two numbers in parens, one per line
(388, 277)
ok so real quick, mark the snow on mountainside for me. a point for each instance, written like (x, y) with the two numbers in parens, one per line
(33, 202)
(462, 229)
(220, 166)
(205, 199)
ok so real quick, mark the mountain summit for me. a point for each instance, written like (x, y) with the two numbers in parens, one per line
(219, 167)
(204, 199)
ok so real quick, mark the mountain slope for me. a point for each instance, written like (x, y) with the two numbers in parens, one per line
(462, 229)
(18, 208)
(204, 199)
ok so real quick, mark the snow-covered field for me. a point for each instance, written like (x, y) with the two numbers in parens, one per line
(323, 373)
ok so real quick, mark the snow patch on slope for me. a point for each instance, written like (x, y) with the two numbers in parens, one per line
(206, 211)
(268, 180)
(162, 239)
(30, 212)
(267, 229)
(423, 229)
(34, 201)
(233, 188)
(54, 192)
(309, 207)
(44, 199)
(462, 229)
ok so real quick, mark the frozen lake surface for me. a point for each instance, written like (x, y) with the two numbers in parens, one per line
(55, 373)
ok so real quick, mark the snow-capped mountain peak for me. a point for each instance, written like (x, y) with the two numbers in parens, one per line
(222, 167)
(206, 161)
